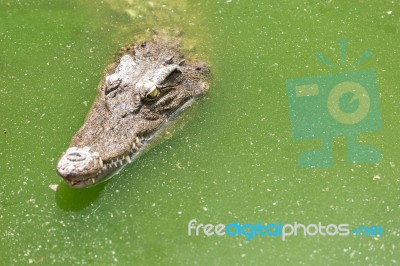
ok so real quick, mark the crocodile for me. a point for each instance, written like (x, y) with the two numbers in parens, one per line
(147, 85)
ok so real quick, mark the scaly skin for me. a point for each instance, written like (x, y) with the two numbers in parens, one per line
(148, 84)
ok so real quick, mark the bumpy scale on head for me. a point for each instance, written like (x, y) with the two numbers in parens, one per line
(147, 85)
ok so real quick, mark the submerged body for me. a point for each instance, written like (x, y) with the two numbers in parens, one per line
(147, 85)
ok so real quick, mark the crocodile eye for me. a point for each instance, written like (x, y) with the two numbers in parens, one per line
(153, 93)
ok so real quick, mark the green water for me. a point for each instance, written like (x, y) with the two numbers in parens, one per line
(232, 157)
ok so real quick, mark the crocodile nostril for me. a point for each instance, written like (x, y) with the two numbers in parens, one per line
(76, 157)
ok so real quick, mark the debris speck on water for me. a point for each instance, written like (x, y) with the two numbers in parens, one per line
(376, 177)
(53, 187)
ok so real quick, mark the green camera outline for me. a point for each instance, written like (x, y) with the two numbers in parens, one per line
(331, 105)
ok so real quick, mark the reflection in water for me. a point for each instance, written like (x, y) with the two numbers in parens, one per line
(73, 199)
(150, 13)
(160, 15)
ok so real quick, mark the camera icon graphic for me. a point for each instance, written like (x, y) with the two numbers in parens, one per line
(340, 104)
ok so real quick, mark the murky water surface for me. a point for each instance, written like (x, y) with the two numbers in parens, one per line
(231, 158)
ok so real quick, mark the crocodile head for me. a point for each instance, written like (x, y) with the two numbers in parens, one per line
(146, 86)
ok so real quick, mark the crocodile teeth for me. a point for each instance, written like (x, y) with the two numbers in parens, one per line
(101, 162)
(128, 159)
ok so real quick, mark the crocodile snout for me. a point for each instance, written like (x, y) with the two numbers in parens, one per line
(77, 164)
